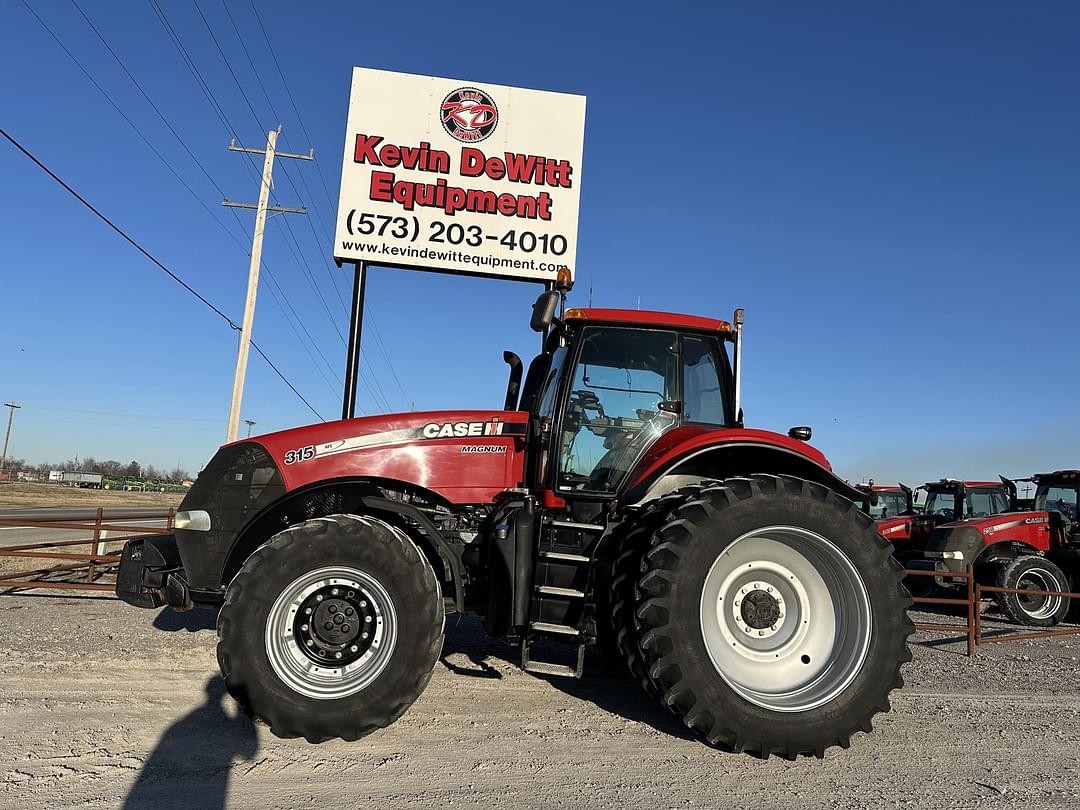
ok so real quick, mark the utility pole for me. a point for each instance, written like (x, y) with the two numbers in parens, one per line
(250, 423)
(7, 433)
(256, 260)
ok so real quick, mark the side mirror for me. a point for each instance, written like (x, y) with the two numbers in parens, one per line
(544, 311)
(802, 433)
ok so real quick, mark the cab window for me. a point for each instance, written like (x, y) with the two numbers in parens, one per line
(1057, 499)
(613, 410)
(703, 395)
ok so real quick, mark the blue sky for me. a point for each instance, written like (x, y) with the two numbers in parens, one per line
(891, 191)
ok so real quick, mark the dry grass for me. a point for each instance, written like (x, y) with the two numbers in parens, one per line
(22, 496)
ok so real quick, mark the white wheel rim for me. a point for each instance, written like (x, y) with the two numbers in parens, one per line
(306, 661)
(1042, 580)
(801, 629)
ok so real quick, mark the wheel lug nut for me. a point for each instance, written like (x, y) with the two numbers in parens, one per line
(329, 625)
(303, 627)
(367, 618)
(761, 632)
(353, 648)
(310, 643)
(319, 598)
(363, 603)
(348, 611)
(333, 608)
(337, 655)
(364, 635)
(307, 611)
(748, 630)
(334, 592)
(344, 628)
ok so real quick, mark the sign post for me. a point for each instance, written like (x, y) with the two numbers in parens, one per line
(451, 176)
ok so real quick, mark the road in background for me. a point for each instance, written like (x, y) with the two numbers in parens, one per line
(149, 517)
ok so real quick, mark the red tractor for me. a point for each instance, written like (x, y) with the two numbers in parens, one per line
(615, 497)
(884, 502)
(1037, 550)
(946, 500)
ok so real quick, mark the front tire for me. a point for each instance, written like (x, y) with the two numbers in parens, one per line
(331, 629)
(1036, 574)
(773, 617)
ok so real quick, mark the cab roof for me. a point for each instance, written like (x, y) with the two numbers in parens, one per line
(645, 317)
(953, 483)
(1057, 475)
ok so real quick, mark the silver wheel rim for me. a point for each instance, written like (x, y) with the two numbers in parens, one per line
(1041, 580)
(785, 618)
(304, 670)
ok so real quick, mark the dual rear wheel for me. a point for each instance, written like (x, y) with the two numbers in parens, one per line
(768, 615)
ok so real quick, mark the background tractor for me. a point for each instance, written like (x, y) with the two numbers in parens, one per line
(616, 497)
(883, 501)
(1037, 550)
(946, 500)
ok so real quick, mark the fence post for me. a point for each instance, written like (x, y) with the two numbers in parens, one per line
(973, 611)
(978, 614)
(169, 520)
(94, 545)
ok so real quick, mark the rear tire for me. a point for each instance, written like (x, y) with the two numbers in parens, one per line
(626, 569)
(1037, 574)
(331, 629)
(773, 617)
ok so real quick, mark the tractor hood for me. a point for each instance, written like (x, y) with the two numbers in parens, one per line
(463, 456)
(994, 527)
(895, 529)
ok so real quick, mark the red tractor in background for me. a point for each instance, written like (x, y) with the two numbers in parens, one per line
(615, 497)
(882, 502)
(1037, 550)
(946, 500)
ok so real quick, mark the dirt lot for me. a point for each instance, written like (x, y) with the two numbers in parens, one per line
(23, 496)
(102, 704)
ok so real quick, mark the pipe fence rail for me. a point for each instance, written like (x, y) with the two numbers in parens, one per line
(78, 570)
(973, 628)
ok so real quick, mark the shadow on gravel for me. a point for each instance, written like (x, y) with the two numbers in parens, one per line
(190, 765)
(607, 686)
(604, 684)
(192, 620)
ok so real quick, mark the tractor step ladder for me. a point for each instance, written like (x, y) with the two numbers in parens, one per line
(563, 634)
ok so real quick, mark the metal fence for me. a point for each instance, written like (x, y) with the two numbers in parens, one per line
(972, 628)
(91, 570)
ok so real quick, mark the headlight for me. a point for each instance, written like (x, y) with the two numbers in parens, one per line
(195, 520)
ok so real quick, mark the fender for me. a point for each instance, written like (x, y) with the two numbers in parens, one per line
(697, 450)
(431, 542)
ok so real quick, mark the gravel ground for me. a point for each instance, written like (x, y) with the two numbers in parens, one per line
(103, 705)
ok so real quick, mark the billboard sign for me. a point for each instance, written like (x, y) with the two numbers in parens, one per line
(460, 177)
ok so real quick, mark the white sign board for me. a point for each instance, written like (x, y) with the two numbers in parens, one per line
(460, 177)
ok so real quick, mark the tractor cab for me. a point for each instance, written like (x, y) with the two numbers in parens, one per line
(884, 502)
(1057, 494)
(949, 499)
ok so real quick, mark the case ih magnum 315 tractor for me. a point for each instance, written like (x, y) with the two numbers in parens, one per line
(946, 500)
(1037, 550)
(615, 498)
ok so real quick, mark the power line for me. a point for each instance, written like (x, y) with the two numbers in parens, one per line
(288, 176)
(170, 167)
(153, 259)
(131, 123)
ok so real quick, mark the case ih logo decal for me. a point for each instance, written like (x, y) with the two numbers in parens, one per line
(451, 430)
(469, 114)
